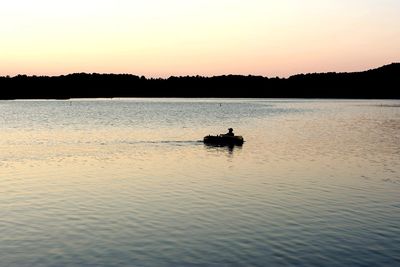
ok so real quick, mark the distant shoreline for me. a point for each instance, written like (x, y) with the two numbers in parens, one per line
(379, 83)
(217, 99)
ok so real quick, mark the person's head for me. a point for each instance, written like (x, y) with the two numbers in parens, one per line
(230, 130)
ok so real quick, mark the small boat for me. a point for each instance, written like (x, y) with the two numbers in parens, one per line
(223, 139)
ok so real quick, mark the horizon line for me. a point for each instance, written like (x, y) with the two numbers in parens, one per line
(202, 76)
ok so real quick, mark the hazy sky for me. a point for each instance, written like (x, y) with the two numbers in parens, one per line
(206, 37)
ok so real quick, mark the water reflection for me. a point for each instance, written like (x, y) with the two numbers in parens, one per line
(223, 148)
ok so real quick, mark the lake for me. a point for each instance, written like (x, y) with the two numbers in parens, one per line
(128, 182)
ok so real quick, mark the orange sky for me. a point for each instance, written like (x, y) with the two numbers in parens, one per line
(190, 37)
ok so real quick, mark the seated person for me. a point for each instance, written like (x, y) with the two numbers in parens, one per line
(230, 133)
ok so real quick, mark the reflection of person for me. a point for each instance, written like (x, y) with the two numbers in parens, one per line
(230, 133)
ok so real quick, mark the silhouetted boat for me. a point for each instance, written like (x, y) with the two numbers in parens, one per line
(223, 140)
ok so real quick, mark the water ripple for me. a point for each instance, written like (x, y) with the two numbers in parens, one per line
(129, 183)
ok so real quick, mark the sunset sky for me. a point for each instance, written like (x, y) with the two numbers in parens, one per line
(160, 38)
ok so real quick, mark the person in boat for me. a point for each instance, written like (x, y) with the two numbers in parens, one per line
(230, 132)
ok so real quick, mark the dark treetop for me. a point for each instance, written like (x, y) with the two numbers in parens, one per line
(383, 82)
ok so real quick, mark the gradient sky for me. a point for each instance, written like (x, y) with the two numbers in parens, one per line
(160, 38)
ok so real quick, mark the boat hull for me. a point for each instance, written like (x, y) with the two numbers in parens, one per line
(223, 140)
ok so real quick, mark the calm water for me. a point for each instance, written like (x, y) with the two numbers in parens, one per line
(127, 183)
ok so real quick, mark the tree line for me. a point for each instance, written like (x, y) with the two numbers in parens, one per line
(377, 83)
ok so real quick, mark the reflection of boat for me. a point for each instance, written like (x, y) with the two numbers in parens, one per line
(223, 140)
